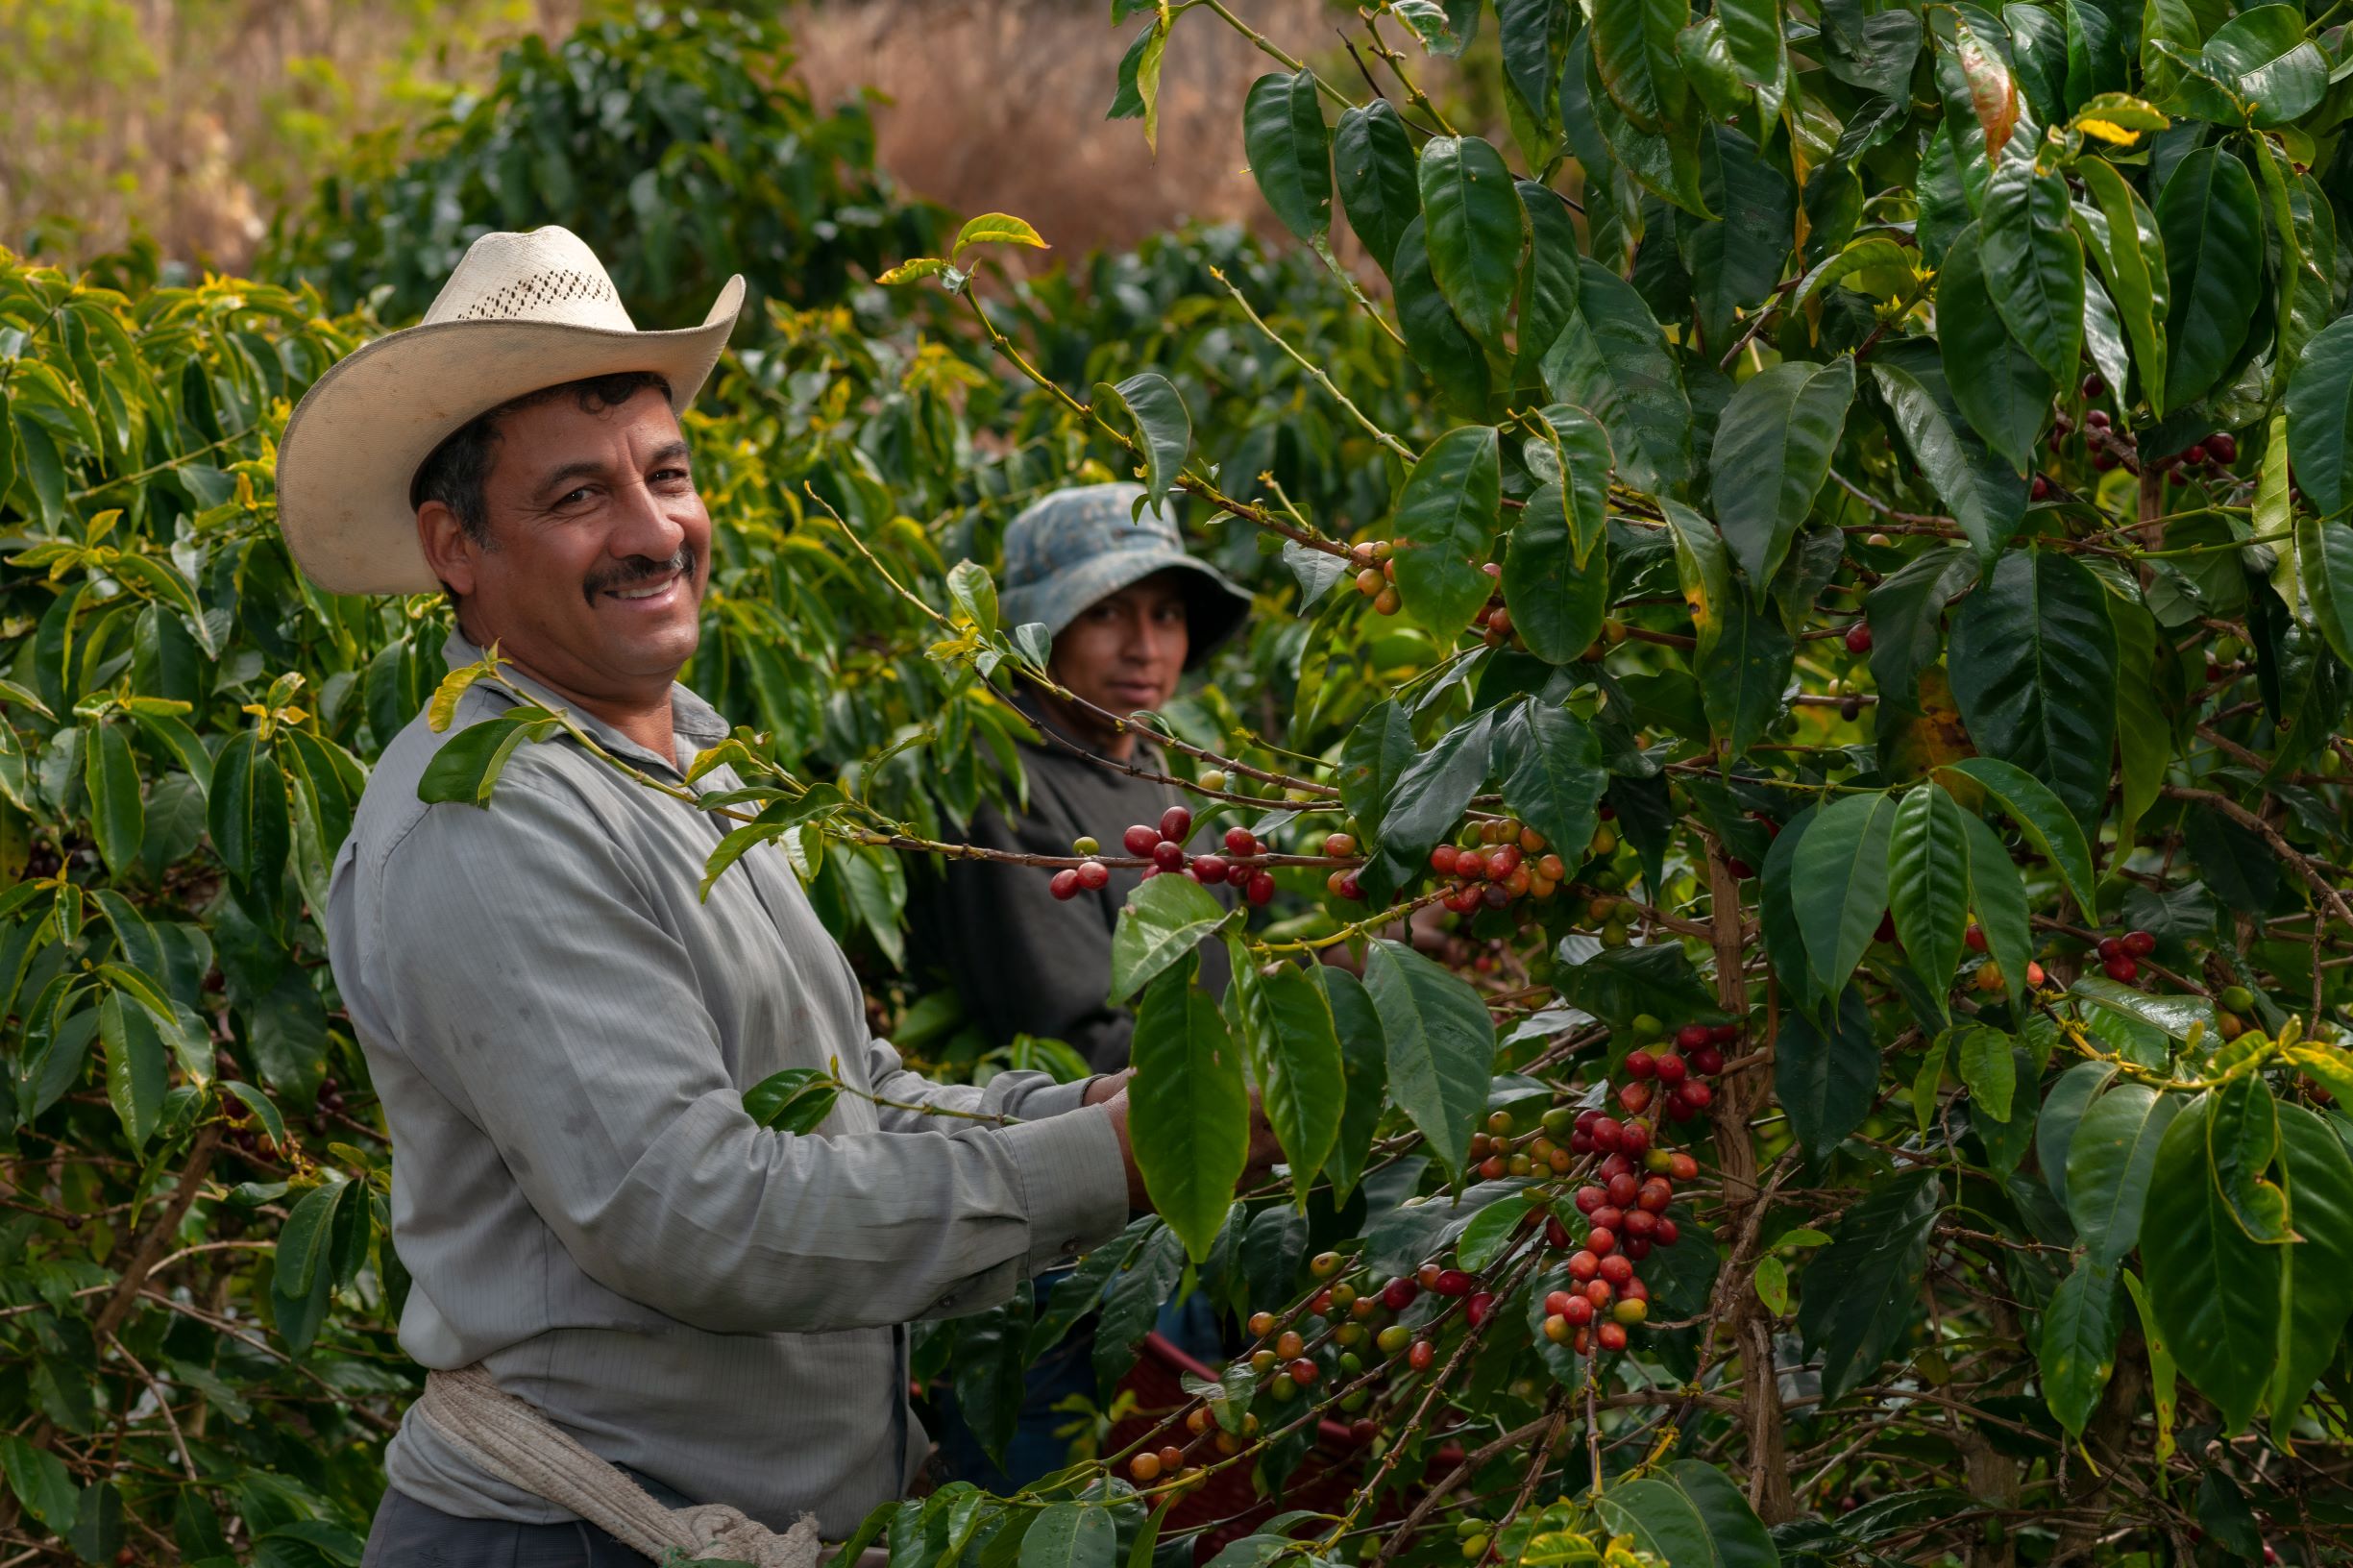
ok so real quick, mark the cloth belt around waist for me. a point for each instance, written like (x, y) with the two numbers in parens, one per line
(507, 1438)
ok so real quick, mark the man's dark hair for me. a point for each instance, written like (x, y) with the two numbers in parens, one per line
(458, 468)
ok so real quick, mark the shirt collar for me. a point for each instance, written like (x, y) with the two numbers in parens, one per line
(695, 721)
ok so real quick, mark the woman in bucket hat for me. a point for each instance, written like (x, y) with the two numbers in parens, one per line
(1129, 612)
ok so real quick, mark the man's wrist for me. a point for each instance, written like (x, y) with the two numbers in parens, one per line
(1104, 1086)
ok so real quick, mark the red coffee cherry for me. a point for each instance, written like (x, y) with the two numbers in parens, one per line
(1259, 888)
(1671, 1068)
(1175, 823)
(1169, 855)
(2140, 944)
(1240, 841)
(1092, 874)
(1065, 885)
(1640, 1063)
(1858, 637)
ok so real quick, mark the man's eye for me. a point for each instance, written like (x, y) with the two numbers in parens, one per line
(673, 476)
(574, 498)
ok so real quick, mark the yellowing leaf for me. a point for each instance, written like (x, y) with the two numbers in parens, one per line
(908, 272)
(2108, 131)
(998, 228)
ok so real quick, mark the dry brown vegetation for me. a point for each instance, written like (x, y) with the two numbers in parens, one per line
(997, 106)
(194, 120)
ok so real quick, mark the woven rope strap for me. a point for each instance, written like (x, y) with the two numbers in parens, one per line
(507, 1438)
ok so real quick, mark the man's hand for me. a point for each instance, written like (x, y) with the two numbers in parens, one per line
(1114, 1102)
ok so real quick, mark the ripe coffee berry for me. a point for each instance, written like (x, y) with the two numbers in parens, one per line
(1169, 855)
(1339, 844)
(2223, 448)
(1443, 858)
(1176, 822)
(1578, 1310)
(1590, 1198)
(1640, 1063)
(1723, 1034)
(1302, 1371)
(1635, 1136)
(1140, 839)
(1093, 874)
(2122, 969)
(1666, 1233)
(1422, 1355)
(1583, 1266)
(1634, 1096)
(1262, 1324)
(1708, 1060)
(2140, 944)
(1476, 1310)
(1240, 841)
(1555, 1233)
(1290, 1343)
(1209, 869)
(1620, 1192)
(1173, 1459)
(1610, 1337)
(1693, 1094)
(1640, 1224)
(1655, 1196)
(1609, 1216)
(1065, 885)
(2110, 947)
(1452, 1282)
(1426, 1276)
(1617, 1269)
(1601, 1241)
(1344, 885)
(1691, 1037)
(1260, 888)
(1606, 1133)
(1671, 1068)
(1858, 637)
(1471, 866)
(1683, 1168)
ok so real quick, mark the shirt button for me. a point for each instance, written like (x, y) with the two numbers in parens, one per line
(944, 1303)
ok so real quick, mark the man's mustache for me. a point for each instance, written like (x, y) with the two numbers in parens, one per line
(638, 569)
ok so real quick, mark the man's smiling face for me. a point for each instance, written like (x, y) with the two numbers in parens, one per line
(597, 551)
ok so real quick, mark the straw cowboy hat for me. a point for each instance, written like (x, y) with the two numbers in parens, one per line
(521, 312)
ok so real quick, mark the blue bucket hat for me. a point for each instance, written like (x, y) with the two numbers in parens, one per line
(1085, 542)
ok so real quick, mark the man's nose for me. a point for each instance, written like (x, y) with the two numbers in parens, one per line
(645, 525)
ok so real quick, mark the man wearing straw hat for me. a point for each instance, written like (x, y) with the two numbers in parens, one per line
(651, 1323)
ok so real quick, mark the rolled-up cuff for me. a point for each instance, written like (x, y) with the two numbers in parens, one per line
(1074, 1181)
(1050, 1099)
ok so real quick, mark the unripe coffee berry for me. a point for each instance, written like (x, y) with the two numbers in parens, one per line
(1393, 1339)
(1338, 845)
(1288, 1344)
(1143, 1467)
(1262, 1324)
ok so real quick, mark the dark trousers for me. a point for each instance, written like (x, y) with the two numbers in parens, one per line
(410, 1534)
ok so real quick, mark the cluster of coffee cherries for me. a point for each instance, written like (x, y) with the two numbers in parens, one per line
(1242, 865)
(2119, 957)
(2112, 449)
(1675, 1080)
(1376, 567)
(1510, 861)
(1624, 1209)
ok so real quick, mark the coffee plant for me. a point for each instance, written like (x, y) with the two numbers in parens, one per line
(1783, 805)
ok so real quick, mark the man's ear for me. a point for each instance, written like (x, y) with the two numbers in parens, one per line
(449, 549)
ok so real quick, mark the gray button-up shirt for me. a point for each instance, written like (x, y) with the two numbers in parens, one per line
(561, 1031)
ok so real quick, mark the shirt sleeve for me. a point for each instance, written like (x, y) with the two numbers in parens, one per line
(529, 968)
(1022, 1096)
